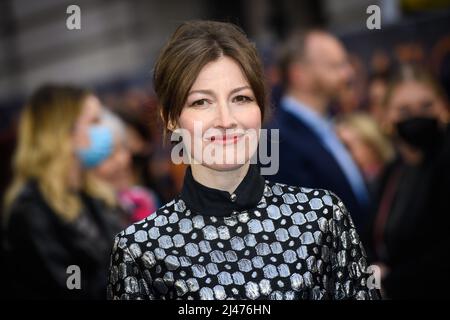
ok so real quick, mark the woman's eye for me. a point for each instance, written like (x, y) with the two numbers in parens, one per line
(201, 102)
(427, 105)
(96, 120)
(241, 99)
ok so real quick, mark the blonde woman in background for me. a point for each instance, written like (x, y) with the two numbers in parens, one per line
(58, 215)
(369, 147)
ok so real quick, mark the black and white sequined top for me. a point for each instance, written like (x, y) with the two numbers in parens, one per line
(264, 241)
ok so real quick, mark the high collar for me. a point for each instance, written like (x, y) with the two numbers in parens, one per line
(213, 202)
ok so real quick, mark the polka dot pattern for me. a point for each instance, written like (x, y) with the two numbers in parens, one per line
(297, 243)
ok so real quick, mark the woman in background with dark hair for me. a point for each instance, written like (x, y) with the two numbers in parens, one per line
(408, 238)
(57, 214)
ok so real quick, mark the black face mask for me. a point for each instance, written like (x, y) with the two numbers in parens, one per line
(420, 132)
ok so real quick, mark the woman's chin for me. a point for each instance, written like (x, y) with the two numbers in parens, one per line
(223, 166)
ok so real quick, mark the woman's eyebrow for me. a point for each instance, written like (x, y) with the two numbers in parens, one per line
(210, 92)
(239, 89)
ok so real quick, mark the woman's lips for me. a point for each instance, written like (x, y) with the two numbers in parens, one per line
(230, 139)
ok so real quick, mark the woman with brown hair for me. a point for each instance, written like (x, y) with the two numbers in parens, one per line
(230, 234)
(57, 213)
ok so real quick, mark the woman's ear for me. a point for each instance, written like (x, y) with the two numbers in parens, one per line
(171, 126)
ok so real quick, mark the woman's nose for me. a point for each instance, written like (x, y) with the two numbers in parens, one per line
(224, 117)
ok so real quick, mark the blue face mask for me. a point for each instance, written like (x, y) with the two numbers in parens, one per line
(100, 148)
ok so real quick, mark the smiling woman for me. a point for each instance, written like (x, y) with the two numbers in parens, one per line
(230, 234)
(226, 114)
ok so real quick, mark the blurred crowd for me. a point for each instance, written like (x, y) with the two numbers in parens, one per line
(385, 153)
(87, 164)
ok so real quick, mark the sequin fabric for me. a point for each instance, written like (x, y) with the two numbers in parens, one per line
(297, 243)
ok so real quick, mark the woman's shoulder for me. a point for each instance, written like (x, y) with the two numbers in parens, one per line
(28, 191)
(311, 202)
(28, 214)
(147, 229)
(297, 194)
(145, 238)
(28, 201)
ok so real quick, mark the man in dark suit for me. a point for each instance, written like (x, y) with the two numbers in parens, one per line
(314, 68)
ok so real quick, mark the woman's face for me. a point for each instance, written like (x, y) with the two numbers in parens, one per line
(90, 114)
(221, 119)
(116, 168)
(415, 99)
